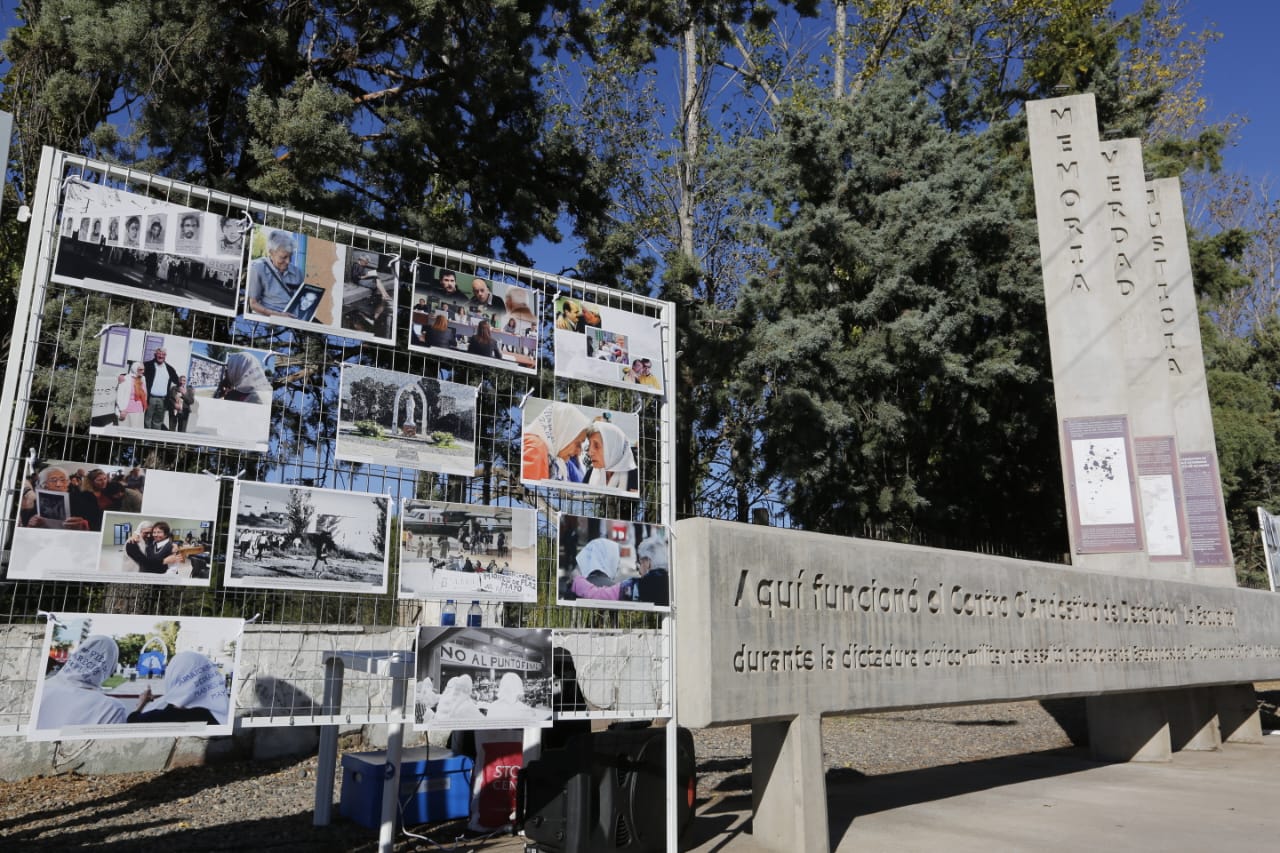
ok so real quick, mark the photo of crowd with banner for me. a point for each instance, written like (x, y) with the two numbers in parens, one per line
(469, 552)
(483, 678)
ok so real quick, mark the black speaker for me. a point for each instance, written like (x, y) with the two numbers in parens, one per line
(606, 792)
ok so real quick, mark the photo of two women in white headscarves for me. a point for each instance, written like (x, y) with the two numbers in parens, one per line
(115, 241)
(111, 676)
(181, 390)
(82, 521)
(567, 446)
(483, 678)
(608, 562)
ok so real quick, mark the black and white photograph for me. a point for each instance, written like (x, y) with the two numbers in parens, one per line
(147, 258)
(567, 446)
(407, 421)
(468, 552)
(298, 537)
(609, 562)
(608, 346)
(483, 678)
(119, 524)
(114, 676)
(183, 391)
(307, 283)
(473, 318)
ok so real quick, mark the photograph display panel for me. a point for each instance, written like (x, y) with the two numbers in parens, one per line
(298, 537)
(406, 421)
(112, 676)
(609, 562)
(608, 346)
(1104, 495)
(567, 446)
(120, 524)
(320, 286)
(474, 319)
(182, 391)
(483, 678)
(468, 552)
(119, 242)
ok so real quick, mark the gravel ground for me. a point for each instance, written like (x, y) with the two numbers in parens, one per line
(268, 806)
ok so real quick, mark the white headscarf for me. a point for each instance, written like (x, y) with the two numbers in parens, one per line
(559, 424)
(456, 703)
(600, 555)
(618, 458)
(510, 702)
(191, 680)
(655, 548)
(245, 375)
(73, 696)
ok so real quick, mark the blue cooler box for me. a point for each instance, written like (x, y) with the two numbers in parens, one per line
(435, 785)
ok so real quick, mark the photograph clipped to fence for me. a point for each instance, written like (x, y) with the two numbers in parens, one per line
(468, 551)
(112, 676)
(474, 319)
(79, 521)
(483, 678)
(566, 446)
(608, 562)
(118, 242)
(299, 537)
(608, 346)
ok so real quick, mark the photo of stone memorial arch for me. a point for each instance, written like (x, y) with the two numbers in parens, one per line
(391, 418)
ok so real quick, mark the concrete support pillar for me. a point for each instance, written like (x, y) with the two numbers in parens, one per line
(789, 786)
(1193, 720)
(1238, 719)
(1128, 727)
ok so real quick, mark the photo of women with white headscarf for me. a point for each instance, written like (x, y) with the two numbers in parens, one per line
(137, 675)
(494, 678)
(567, 446)
(195, 691)
(606, 562)
(73, 696)
(244, 380)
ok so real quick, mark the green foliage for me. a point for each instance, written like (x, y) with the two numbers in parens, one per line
(898, 350)
(443, 439)
(370, 429)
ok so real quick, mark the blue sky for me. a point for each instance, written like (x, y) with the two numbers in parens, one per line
(1241, 77)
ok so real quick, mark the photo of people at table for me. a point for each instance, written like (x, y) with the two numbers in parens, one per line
(308, 283)
(474, 318)
(182, 391)
(113, 676)
(115, 241)
(609, 562)
(79, 521)
(608, 345)
(567, 446)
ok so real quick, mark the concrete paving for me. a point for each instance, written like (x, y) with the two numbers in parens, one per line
(1221, 801)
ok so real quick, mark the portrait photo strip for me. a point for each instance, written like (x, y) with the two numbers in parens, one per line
(473, 318)
(118, 242)
(304, 538)
(579, 448)
(120, 524)
(483, 678)
(134, 676)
